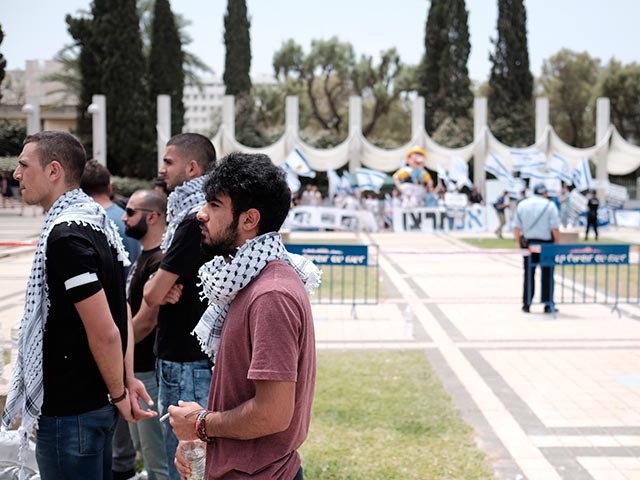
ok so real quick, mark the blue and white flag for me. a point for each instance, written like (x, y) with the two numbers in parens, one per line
(459, 172)
(292, 181)
(346, 186)
(526, 160)
(582, 175)
(335, 183)
(298, 164)
(559, 166)
(495, 166)
(370, 179)
(516, 187)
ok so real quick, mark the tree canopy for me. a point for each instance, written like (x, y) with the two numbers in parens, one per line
(166, 74)
(511, 83)
(568, 80)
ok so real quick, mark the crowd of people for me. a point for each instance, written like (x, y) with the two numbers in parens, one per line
(128, 310)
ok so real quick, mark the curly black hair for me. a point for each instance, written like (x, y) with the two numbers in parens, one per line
(251, 180)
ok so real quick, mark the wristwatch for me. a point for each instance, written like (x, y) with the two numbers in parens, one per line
(114, 400)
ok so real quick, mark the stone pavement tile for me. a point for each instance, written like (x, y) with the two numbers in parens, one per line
(505, 321)
(602, 468)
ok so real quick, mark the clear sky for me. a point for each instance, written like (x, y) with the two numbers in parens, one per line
(35, 29)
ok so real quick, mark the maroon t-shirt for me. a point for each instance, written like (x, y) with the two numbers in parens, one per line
(268, 335)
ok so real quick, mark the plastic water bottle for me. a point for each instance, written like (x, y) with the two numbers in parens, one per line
(195, 452)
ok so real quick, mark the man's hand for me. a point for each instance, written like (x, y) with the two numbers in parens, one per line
(181, 463)
(124, 409)
(138, 392)
(182, 419)
(174, 294)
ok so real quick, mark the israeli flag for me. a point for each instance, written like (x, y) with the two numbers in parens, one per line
(559, 166)
(370, 179)
(346, 186)
(443, 176)
(516, 187)
(495, 166)
(582, 175)
(298, 164)
(459, 171)
(292, 181)
(527, 160)
(335, 183)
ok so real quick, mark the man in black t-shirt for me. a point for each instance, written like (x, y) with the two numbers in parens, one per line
(184, 371)
(144, 220)
(592, 214)
(70, 376)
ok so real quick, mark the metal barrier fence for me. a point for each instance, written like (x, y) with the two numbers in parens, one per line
(350, 273)
(602, 274)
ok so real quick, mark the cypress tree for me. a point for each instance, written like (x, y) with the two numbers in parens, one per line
(81, 31)
(511, 82)
(237, 59)
(444, 74)
(166, 73)
(429, 68)
(130, 139)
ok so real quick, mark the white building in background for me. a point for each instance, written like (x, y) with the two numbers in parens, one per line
(57, 105)
(203, 103)
(203, 106)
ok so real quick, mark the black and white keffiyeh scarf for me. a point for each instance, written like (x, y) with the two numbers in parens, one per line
(221, 282)
(185, 199)
(26, 392)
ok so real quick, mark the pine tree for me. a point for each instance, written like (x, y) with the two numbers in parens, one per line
(3, 61)
(444, 73)
(166, 73)
(511, 83)
(130, 138)
(237, 60)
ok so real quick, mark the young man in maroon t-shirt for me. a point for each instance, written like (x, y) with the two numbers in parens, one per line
(262, 388)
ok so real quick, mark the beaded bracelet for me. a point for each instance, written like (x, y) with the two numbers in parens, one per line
(200, 425)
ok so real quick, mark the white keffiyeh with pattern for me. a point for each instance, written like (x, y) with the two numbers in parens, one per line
(27, 391)
(221, 282)
(185, 199)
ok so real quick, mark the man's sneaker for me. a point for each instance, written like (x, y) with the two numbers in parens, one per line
(525, 308)
(547, 309)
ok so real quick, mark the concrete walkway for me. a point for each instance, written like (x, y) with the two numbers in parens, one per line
(548, 398)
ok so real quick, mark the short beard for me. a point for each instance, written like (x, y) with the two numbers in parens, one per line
(225, 247)
(138, 230)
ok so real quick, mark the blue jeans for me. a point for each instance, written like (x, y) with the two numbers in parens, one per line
(187, 381)
(147, 434)
(76, 446)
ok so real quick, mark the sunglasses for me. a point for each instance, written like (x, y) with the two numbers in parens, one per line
(132, 211)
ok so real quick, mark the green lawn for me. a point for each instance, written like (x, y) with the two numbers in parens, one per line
(510, 243)
(609, 279)
(385, 415)
(345, 284)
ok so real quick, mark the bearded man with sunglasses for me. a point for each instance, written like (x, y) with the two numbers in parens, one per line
(144, 220)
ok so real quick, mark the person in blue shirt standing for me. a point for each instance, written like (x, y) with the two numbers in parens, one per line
(536, 222)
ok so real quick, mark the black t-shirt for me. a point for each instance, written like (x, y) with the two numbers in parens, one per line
(147, 263)
(80, 263)
(174, 341)
(593, 205)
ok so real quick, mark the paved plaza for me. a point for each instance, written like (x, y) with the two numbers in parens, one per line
(548, 398)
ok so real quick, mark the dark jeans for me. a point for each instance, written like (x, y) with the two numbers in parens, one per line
(592, 222)
(529, 287)
(299, 475)
(76, 446)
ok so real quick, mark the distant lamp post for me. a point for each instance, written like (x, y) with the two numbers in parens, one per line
(32, 110)
(98, 111)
